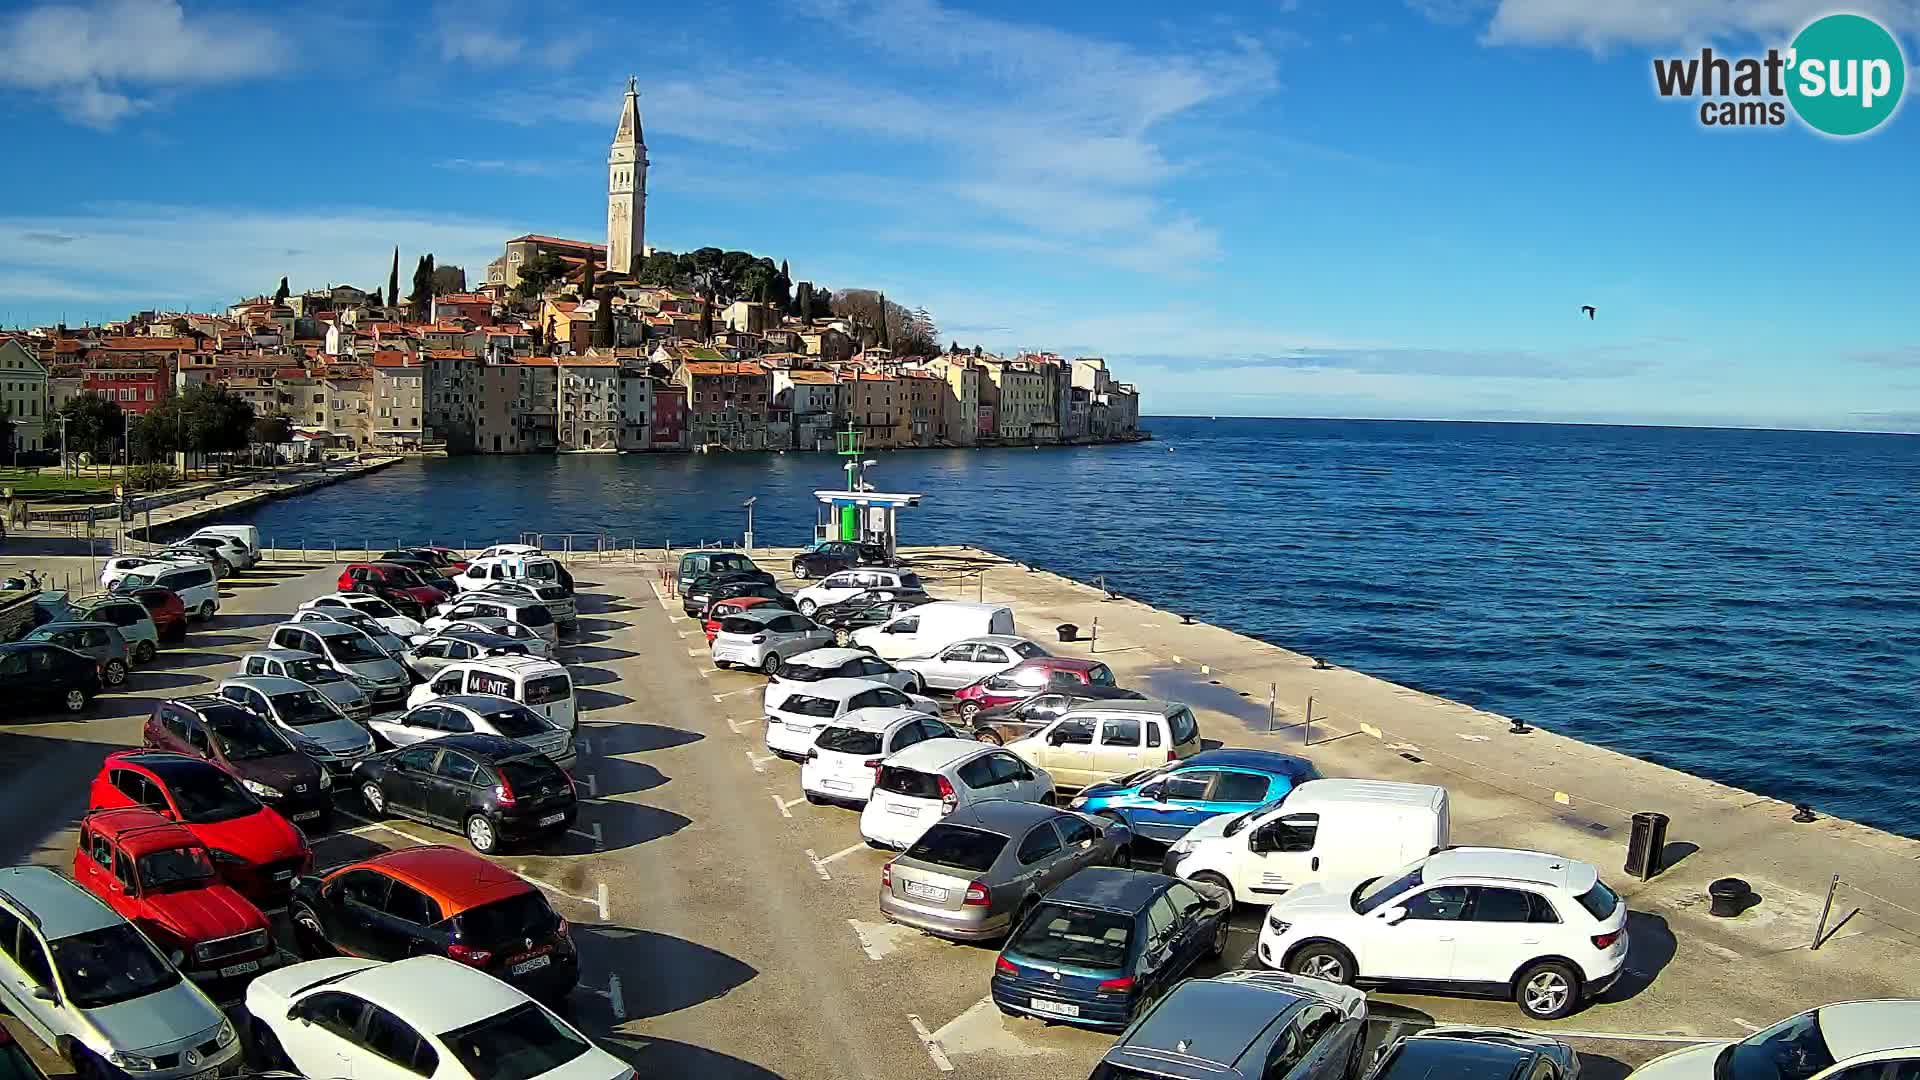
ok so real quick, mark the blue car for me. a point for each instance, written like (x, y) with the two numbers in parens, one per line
(1162, 803)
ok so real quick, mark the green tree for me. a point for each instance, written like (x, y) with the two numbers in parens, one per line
(782, 289)
(603, 318)
(449, 279)
(707, 285)
(589, 286)
(94, 424)
(393, 280)
(661, 268)
(537, 273)
(421, 298)
(272, 429)
(280, 294)
(377, 301)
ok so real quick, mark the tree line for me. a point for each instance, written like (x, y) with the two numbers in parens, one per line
(203, 420)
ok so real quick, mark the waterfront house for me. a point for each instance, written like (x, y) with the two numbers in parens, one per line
(728, 403)
(920, 407)
(810, 400)
(24, 398)
(871, 402)
(399, 388)
(590, 413)
(636, 408)
(1020, 399)
(1123, 412)
(137, 381)
(955, 423)
(667, 417)
(349, 403)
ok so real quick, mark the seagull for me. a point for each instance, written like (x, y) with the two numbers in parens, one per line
(1588, 308)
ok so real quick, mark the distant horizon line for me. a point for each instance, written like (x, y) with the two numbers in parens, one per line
(1144, 417)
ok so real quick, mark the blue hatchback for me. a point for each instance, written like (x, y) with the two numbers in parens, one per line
(1162, 803)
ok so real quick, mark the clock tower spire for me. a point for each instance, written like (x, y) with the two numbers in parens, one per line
(627, 190)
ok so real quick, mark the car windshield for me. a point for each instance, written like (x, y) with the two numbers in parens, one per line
(403, 577)
(548, 688)
(110, 965)
(375, 607)
(740, 624)
(354, 649)
(730, 564)
(846, 740)
(243, 736)
(911, 581)
(909, 782)
(518, 722)
(303, 707)
(1240, 821)
(1376, 891)
(519, 1044)
(526, 773)
(312, 672)
(808, 705)
(958, 846)
(211, 797)
(542, 571)
(1101, 676)
(175, 868)
(1071, 935)
(134, 581)
(356, 620)
(1027, 650)
(523, 915)
(1793, 1049)
(796, 671)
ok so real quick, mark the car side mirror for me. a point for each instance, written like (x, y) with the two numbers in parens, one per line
(296, 1013)
(1155, 792)
(47, 994)
(1261, 839)
(1394, 915)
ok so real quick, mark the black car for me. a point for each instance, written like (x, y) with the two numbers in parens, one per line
(1482, 1053)
(1249, 1025)
(425, 569)
(493, 790)
(731, 590)
(1004, 723)
(38, 675)
(828, 556)
(867, 609)
(701, 592)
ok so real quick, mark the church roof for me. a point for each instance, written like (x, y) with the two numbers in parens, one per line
(629, 130)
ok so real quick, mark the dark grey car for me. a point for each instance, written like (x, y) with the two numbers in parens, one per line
(100, 640)
(979, 869)
(1245, 1025)
(1493, 1053)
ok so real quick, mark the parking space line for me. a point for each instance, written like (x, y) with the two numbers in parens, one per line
(594, 836)
(1748, 1024)
(593, 786)
(927, 1040)
(614, 998)
(1628, 1036)
(759, 761)
(730, 693)
(741, 725)
(866, 944)
(786, 806)
(600, 890)
(818, 866)
(683, 633)
(695, 652)
(842, 853)
(582, 745)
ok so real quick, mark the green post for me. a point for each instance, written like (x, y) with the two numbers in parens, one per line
(850, 445)
(850, 523)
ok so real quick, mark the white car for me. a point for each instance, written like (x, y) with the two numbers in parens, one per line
(422, 1016)
(507, 628)
(1866, 1039)
(389, 643)
(797, 712)
(498, 550)
(385, 615)
(238, 555)
(966, 662)
(485, 714)
(1542, 924)
(927, 781)
(839, 663)
(880, 583)
(119, 566)
(527, 611)
(765, 638)
(847, 754)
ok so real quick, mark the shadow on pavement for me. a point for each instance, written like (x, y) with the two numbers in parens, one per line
(1201, 692)
(46, 789)
(596, 700)
(176, 659)
(660, 973)
(203, 638)
(1649, 949)
(597, 654)
(1602, 1067)
(639, 738)
(616, 776)
(665, 1057)
(234, 622)
(625, 825)
(160, 680)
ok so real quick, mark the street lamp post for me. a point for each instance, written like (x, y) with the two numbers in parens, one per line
(749, 505)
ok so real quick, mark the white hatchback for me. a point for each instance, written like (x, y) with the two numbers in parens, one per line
(385, 615)
(798, 712)
(765, 638)
(1544, 928)
(839, 663)
(880, 583)
(846, 756)
(922, 784)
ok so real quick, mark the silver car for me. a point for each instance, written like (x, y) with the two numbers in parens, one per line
(971, 876)
(527, 611)
(352, 654)
(390, 643)
(100, 640)
(490, 626)
(315, 672)
(430, 654)
(462, 714)
(964, 663)
(316, 727)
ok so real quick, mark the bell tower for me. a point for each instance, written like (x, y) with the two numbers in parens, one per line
(627, 190)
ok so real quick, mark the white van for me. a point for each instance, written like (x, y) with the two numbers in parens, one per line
(540, 685)
(195, 586)
(539, 573)
(248, 536)
(929, 627)
(1323, 829)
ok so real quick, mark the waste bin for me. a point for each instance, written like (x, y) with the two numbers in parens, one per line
(1068, 631)
(1647, 845)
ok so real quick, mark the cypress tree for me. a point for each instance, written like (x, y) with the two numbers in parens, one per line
(393, 278)
(602, 317)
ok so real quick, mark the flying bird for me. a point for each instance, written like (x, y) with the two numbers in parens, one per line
(1588, 308)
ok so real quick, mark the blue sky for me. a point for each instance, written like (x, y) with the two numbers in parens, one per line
(1306, 208)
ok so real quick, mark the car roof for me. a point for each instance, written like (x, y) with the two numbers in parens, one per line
(877, 718)
(933, 755)
(1002, 815)
(1055, 663)
(1852, 1028)
(760, 614)
(202, 703)
(77, 624)
(1111, 889)
(1511, 864)
(433, 993)
(60, 907)
(323, 627)
(1267, 761)
(840, 687)
(1420, 1056)
(282, 655)
(171, 768)
(460, 880)
(742, 603)
(475, 637)
(504, 599)
(141, 830)
(479, 703)
(1374, 794)
(518, 665)
(493, 747)
(985, 639)
(1125, 706)
(267, 684)
(1214, 1020)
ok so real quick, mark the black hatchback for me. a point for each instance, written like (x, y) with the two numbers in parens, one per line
(828, 556)
(33, 675)
(492, 790)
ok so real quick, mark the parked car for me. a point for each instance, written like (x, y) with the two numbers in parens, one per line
(540, 685)
(427, 571)
(194, 585)
(387, 641)
(705, 589)
(823, 557)
(1163, 802)
(132, 618)
(765, 638)
(1541, 928)
(696, 564)
(422, 1016)
(1848, 1039)
(546, 578)
(168, 613)
(1029, 677)
(445, 559)
(1112, 738)
(93, 989)
(1320, 829)
(301, 667)
(734, 588)
(1252, 1025)
(976, 874)
(159, 876)
(1451, 1050)
(352, 654)
(193, 554)
(863, 611)
(441, 901)
(927, 781)
(315, 726)
(255, 849)
(395, 584)
(494, 791)
(231, 551)
(835, 663)
(498, 550)
(248, 537)
(529, 612)
(1006, 723)
(462, 714)
(846, 755)
(33, 674)
(927, 630)
(384, 614)
(98, 640)
(798, 712)
(734, 605)
(432, 654)
(506, 628)
(967, 661)
(247, 745)
(115, 568)
(846, 584)
(1105, 942)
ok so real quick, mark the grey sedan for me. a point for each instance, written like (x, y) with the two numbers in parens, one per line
(972, 876)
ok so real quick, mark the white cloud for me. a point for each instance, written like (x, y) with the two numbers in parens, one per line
(490, 33)
(1599, 26)
(91, 59)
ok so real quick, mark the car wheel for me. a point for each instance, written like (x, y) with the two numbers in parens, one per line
(841, 636)
(116, 672)
(1356, 1060)
(988, 735)
(969, 710)
(916, 686)
(481, 835)
(206, 610)
(1051, 798)
(266, 1047)
(143, 652)
(87, 1065)
(309, 938)
(723, 664)
(800, 571)
(770, 664)
(375, 799)
(75, 701)
(1548, 990)
(1219, 947)
(1217, 882)
(1322, 960)
(808, 607)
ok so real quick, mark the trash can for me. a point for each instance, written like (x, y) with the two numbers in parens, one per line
(1647, 845)
(1068, 631)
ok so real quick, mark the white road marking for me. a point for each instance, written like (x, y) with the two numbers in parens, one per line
(938, 1055)
(741, 725)
(742, 690)
(600, 889)
(780, 805)
(842, 853)
(552, 888)
(818, 866)
(1628, 1036)
(865, 944)
(684, 633)
(759, 761)
(593, 786)
(695, 652)
(615, 999)
(1748, 1024)
(1473, 738)
(582, 745)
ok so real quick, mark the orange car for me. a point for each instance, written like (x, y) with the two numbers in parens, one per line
(723, 608)
(442, 900)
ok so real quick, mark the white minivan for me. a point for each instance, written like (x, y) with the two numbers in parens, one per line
(540, 685)
(194, 585)
(1319, 830)
(929, 627)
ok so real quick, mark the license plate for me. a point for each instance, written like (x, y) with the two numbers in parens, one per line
(247, 968)
(306, 815)
(553, 819)
(283, 875)
(925, 892)
(836, 785)
(904, 811)
(799, 729)
(1053, 1008)
(534, 964)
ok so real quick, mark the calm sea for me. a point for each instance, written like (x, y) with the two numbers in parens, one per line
(1738, 604)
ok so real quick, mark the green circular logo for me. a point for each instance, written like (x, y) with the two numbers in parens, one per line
(1846, 75)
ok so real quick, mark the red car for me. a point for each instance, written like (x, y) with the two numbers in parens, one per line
(1029, 677)
(253, 848)
(720, 609)
(395, 584)
(169, 614)
(158, 875)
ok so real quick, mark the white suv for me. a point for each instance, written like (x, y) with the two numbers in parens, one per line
(1540, 928)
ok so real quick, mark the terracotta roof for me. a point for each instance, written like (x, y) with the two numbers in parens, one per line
(393, 360)
(290, 373)
(724, 368)
(147, 344)
(555, 241)
(811, 377)
(506, 331)
(587, 361)
(464, 298)
(451, 354)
